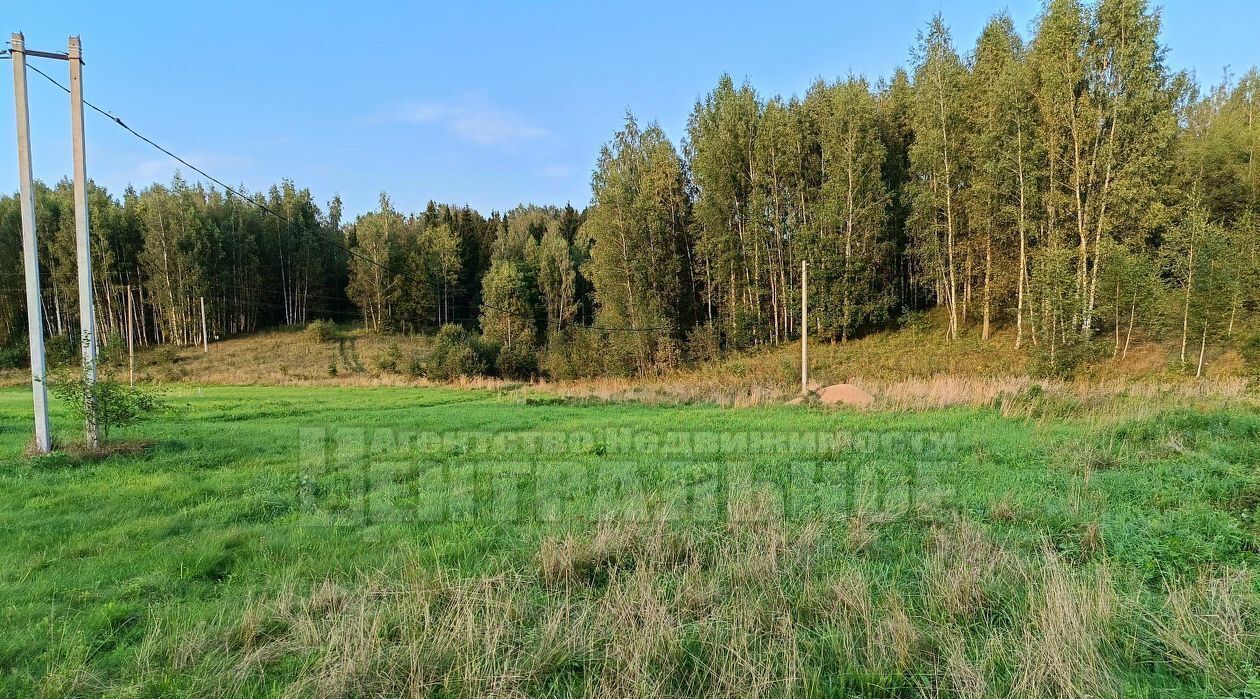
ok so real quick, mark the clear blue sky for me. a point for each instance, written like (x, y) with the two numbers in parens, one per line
(485, 103)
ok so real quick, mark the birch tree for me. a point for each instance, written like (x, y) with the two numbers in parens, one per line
(849, 246)
(637, 224)
(938, 116)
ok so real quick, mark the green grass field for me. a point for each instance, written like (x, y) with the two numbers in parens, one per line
(314, 541)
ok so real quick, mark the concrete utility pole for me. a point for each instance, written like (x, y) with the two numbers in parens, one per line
(83, 240)
(30, 248)
(804, 328)
(205, 339)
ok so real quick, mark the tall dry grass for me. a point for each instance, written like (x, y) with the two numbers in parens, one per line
(1209, 627)
(753, 608)
(1013, 396)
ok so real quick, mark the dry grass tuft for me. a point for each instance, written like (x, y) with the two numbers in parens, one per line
(862, 530)
(82, 451)
(1003, 510)
(847, 598)
(72, 674)
(664, 597)
(1091, 543)
(1063, 643)
(894, 640)
(1210, 628)
(963, 569)
(614, 546)
(966, 677)
(1014, 396)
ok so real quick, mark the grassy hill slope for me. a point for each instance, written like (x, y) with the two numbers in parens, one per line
(912, 368)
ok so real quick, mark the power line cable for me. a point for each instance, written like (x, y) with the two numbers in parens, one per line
(268, 210)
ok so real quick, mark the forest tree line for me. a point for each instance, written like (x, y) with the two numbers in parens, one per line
(1068, 186)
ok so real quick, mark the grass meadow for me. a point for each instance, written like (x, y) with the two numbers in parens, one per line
(357, 541)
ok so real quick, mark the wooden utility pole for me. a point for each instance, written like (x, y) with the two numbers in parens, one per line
(30, 248)
(804, 328)
(205, 339)
(131, 338)
(1202, 350)
(83, 241)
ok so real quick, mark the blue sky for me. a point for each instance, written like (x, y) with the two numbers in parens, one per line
(489, 104)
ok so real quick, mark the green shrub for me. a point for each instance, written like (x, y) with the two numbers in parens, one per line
(915, 321)
(114, 351)
(1251, 354)
(61, 351)
(1063, 360)
(703, 343)
(667, 355)
(16, 355)
(517, 362)
(621, 353)
(389, 358)
(165, 355)
(573, 353)
(555, 363)
(744, 329)
(415, 365)
(457, 352)
(321, 331)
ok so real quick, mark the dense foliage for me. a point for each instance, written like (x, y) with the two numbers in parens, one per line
(1064, 185)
